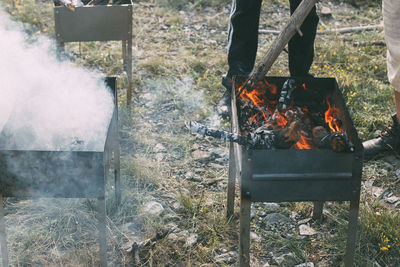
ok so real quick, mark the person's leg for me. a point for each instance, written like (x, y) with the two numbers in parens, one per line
(301, 48)
(242, 46)
(390, 138)
(243, 36)
(397, 101)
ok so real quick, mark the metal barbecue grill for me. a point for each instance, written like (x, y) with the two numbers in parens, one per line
(98, 23)
(297, 175)
(63, 174)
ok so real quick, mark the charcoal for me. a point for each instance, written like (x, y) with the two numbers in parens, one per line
(293, 124)
(286, 94)
(262, 139)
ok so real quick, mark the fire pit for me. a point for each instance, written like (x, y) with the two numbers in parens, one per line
(281, 175)
(74, 173)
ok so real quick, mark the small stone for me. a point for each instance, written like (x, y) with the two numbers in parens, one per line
(196, 146)
(191, 240)
(392, 199)
(368, 184)
(228, 258)
(304, 221)
(159, 157)
(326, 11)
(173, 237)
(274, 218)
(201, 155)
(216, 166)
(284, 258)
(148, 97)
(171, 226)
(159, 148)
(306, 230)
(255, 237)
(189, 175)
(397, 173)
(307, 264)
(176, 205)
(153, 208)
(377, 191)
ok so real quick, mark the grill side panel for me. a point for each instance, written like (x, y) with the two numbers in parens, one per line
(301, 175)
(93, 23)
(52, 174)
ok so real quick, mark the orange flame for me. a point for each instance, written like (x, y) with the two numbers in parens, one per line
(257, 97)
(330, 117)
(280, 120)
(303, 143)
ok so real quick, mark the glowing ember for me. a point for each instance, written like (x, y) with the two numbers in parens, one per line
(262, 108)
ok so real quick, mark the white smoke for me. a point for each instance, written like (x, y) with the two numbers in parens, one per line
(46, 104)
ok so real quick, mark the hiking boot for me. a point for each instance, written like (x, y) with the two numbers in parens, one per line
(388, 140)
(224, 105)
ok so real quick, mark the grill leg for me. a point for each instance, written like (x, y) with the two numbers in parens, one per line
(129, 71)
(124, 57)
(117, 167)
(317, 211)
(60, 47)
(352, 233)
(3, 237)
(244, 243)
(231, 183)
(101, 213)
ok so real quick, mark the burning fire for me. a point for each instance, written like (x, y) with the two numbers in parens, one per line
(330, 117)
(264, 98)
(303, 143)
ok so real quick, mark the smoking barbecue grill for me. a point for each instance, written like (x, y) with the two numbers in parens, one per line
(98, 23)
(286, 175)
(63, 174)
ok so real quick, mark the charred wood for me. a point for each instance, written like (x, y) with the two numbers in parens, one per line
(262, 138)
(145, 245)
(337, 142)
(286, 94)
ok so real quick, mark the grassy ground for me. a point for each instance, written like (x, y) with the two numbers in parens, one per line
(179, 57)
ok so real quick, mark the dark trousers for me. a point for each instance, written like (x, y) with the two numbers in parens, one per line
(243, 39)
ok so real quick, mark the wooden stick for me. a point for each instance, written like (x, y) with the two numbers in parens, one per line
(3, 238)
(295, 21)
(340, 30)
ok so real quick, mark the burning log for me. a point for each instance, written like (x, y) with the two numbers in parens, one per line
(291, 136)
(263, 138)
